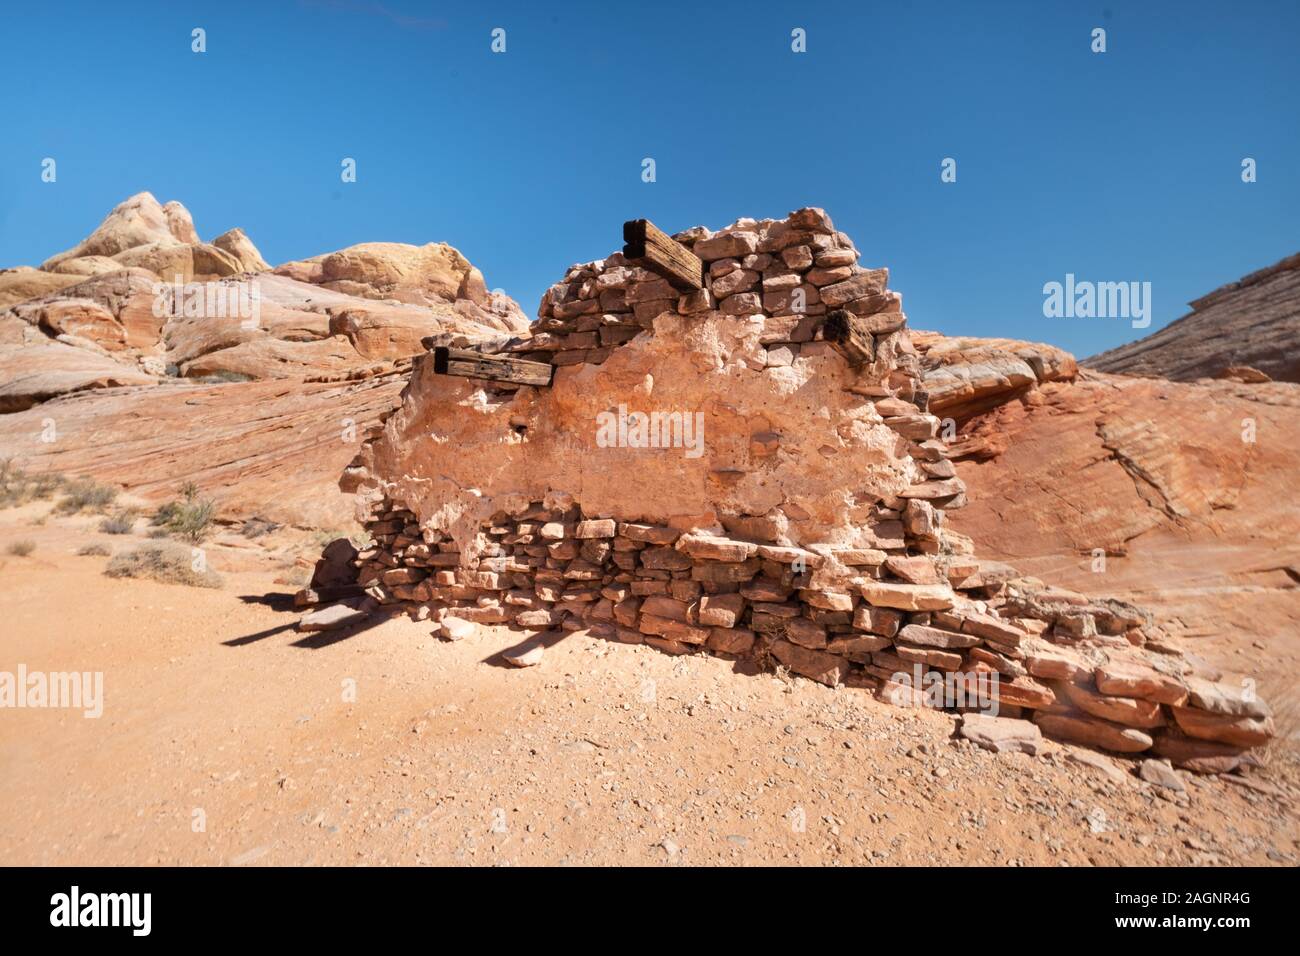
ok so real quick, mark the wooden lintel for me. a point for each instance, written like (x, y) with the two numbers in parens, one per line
(494, 368)
(648, 246)
(850, 337)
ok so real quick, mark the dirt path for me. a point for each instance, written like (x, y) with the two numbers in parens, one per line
(217, 711)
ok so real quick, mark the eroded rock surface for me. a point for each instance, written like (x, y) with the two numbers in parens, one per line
(270, 449)
(431, 275)
(1252, 323)
(1177, 496)
(144, 291)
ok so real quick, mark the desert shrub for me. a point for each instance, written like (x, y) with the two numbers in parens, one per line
(13, 483)
(94, 550)
(85, 494)
(189, 516)
(295, 577)
(168, 563)
(20, 549)
(120, 522)
(17, 487)
(157, 533)
(44, 485)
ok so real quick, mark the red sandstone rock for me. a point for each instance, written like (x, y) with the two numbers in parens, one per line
(1223, 729)
(908, 597)
(1024, 692)
(1094, 733)
(721, 610)
(1131, 712)
(1201, 756)
(935, 637)
(1124, 678)
(824, 668)
(1002, 734)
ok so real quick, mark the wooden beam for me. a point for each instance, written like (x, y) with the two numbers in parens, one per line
(648, 246)
(494, 368)
(849, 335)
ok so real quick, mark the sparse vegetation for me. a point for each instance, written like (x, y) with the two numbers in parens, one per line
(189, 517)
(17, 487)
(120, 522)
(168, 563)
(46, 484)
(296, 577)
(21, 549)
(94, 550)
(1285, 704)
(85, 494)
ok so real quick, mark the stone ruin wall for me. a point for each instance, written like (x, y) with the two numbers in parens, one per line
(809, 533)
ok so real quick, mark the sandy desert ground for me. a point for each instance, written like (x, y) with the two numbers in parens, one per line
(218, 710)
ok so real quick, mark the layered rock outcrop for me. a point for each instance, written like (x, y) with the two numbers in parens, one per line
(1248, 330)
(144, 293)
(966, 376)
(269, 449)
(1177, 496)
(434, 275)
(707, 472)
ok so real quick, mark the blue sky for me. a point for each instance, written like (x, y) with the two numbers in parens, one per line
(1117, 166)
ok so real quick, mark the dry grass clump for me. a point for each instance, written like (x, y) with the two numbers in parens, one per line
(94, 550)
(120, 522)
(1284, 701)
(168, 563)
(21, 549)
(85, 494)
(17, 487)
(189, 517)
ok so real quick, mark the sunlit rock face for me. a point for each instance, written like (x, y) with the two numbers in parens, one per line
(146, 293)
(753, 469)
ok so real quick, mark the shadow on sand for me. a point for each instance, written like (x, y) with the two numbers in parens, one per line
(282, 603)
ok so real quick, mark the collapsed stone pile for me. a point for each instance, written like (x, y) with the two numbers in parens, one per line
(804, 530)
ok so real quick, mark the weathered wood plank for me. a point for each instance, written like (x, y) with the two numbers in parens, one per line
(648, 246)
(849, 336)
(494, 368)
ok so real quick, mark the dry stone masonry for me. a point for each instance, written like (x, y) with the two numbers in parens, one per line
(806, 533)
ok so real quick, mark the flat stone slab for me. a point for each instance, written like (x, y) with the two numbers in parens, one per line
(528, 654)
(1002, 734)
(1161, 774)
(333, 616)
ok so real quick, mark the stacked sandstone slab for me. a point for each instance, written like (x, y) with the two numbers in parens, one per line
(810, 536)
